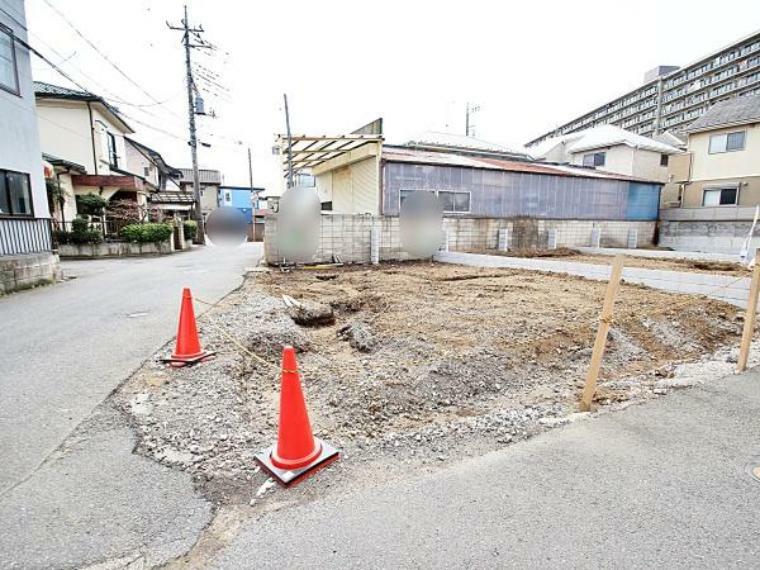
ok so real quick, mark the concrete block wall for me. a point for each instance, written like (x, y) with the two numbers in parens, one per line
(26, 271)
(117, 249)
(348, 236)
(708, 236)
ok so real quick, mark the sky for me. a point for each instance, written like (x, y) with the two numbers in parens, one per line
(529, 66)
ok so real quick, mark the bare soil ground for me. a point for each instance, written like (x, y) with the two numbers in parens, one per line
(574, 255)
(423, 364)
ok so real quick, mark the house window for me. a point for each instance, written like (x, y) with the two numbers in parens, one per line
(113, 158)
(720, 196)
(594, 159)
(8, 70)
(663, 160)
(727, 142)
(452, 202)
(15, 194)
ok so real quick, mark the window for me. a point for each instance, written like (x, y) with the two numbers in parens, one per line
(727, 142)
(8, 71)
(113, 158)
(664, 160)
(720, 196)
(15, 194)
(594, 159)
(452, 202)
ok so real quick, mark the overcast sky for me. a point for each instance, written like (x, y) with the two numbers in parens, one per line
(530, 66)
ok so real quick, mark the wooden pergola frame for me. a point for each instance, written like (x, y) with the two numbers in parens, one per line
(310, 151)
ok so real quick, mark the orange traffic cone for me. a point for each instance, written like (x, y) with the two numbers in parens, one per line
(188, 348)
(297, 454)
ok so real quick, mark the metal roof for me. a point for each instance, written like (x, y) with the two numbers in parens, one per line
(205, 175)
(171, 198)
(310, 151)
(736, 111)
(410, 155)
(441, 141)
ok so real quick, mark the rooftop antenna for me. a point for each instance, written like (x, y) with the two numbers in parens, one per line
(290, 142)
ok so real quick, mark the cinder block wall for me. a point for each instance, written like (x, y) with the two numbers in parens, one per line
(707, 236)
(26, 271)
(348, 236)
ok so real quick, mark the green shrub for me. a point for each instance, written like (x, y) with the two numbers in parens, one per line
(61, 237)
(80, 233)
(79, 225)
(191, 229)
(91, 204)
(146, 233)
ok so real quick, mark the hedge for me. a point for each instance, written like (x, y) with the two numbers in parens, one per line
(146, 233)
(191, 229)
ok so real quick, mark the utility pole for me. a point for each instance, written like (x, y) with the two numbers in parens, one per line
(191, 112)
(290, 142)
(250, 169)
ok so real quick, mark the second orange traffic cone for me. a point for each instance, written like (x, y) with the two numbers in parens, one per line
(297, 453)
(188, 349)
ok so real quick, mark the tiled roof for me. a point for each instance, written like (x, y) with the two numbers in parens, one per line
(48, 90)
(41, 88)
(736, 111)
(402, 154)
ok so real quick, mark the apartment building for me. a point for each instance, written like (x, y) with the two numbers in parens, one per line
(671, 98)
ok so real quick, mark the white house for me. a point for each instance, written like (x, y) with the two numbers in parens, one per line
(26, 256)
(611, 149)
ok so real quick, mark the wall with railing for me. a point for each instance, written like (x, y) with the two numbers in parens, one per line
(22, 236)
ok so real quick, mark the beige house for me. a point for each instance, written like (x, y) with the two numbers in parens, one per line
(611, 149)
(83, 129)
(714, 187)
(210, 180)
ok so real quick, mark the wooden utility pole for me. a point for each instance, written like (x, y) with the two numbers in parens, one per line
(750, 316)
(605, 322)
(191, 112)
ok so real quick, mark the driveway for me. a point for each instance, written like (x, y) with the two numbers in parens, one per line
(66, 347)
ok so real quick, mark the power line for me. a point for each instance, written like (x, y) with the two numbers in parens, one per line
(105, 57)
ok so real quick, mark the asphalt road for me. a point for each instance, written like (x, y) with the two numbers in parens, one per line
(71, 492)
(662, 485)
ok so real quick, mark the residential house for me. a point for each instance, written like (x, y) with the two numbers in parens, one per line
(26, 249)
(83, 129)
(210, 180)
(611, 149)
(710, 201)
(245, 200)
(166, 197)
(536, 204)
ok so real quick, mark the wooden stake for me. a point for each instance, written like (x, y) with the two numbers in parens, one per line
(750, 316)
(605, 321)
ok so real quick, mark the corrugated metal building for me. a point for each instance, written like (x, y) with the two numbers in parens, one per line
(482, 194)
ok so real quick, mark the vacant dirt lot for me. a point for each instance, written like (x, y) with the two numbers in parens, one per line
(423, 363)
